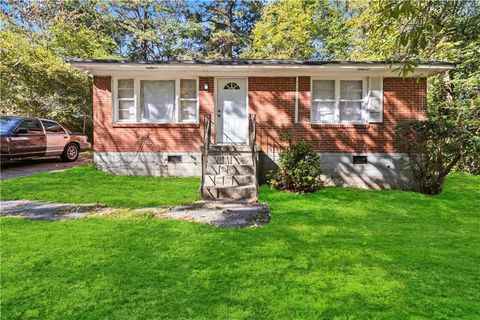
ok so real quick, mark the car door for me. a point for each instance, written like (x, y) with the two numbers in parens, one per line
(57, 138)
(28, 139)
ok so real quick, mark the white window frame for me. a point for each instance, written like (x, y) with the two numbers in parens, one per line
(136, 95)
(364, 117)
(116, 99)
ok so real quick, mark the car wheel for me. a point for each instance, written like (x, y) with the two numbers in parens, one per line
(70, 153)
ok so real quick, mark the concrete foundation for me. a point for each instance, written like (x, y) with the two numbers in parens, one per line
(176, 164)
(380, 170)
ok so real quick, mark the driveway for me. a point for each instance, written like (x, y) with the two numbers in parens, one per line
(23, 168)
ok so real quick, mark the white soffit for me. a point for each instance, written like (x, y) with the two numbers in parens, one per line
(102, 68)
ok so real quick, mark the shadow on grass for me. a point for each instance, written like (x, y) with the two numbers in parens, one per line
(336, 253)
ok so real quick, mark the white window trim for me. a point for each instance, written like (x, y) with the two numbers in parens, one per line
(136, 98)
(337, 80)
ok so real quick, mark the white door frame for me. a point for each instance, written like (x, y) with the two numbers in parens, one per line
(217, 131)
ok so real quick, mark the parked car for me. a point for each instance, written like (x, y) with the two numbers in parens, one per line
(23, 137)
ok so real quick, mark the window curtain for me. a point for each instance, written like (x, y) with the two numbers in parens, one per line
(157, 100)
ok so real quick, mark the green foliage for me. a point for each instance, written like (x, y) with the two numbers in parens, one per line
(87, 185)
(36, 82)
(433, 147)
(465, 114)
(338, 253)
(296, 29)
(299, 169)
(226, 26)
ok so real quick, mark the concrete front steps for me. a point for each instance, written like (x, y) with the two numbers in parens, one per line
(230, 174)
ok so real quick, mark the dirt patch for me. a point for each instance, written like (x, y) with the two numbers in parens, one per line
(226, 215)
(45, 210)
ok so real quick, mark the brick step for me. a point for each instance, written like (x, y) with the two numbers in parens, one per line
(237, 193)
(230, 169)
(230, 159)
(226, 180)
(229, 148)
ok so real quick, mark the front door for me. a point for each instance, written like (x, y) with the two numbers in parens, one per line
(232, 115)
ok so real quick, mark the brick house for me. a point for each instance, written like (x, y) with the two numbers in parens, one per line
(155, 117)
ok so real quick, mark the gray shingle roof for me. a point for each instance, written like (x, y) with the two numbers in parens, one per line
(244, 62)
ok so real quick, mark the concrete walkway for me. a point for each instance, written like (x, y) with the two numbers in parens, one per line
(22, 168)
(226, 215)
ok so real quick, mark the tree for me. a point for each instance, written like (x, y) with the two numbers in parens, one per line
(433, 147)
(35, 80)
(296, 29)
(227, 26)
(413, 31)
(153, 29)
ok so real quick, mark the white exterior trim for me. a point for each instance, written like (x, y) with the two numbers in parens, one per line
(98, 68)
(136, 96)
(337, 80)
(215, 101)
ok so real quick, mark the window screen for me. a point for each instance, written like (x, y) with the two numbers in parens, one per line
(188, 100)
(351, 100)
(125, 100)
(323, 98)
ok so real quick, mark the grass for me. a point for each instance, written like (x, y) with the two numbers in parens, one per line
(86, 185)
(335, 254)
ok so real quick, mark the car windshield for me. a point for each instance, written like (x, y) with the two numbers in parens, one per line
(7, 124)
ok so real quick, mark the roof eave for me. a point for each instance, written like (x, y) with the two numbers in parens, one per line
(103, 66)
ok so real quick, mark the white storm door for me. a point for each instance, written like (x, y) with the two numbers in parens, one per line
(232, 115)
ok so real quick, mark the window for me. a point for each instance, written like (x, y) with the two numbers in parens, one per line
(323, 106)
(156, 100)
(188, 100)
(231, 86)
(7, 124)
(32, 125)
(126, 100)
(351, 100)
(52, 127)
(338, 101)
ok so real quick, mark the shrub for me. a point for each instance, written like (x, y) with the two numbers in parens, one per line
(433, 147)
(466, 116)
(299, 169)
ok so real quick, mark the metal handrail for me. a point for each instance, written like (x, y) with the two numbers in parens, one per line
(252, 135)
(271, 143)
(207, 134)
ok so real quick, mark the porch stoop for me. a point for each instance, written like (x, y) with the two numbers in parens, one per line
(230, 174)
(229, 171)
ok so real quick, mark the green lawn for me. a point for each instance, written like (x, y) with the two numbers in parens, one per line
(338, 253)
(87, 185)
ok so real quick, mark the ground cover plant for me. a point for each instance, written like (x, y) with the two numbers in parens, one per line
(335, 253)
(87, 185)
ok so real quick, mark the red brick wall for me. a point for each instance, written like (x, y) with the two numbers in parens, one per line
(272, 99)
(110, 137)
(404, 98)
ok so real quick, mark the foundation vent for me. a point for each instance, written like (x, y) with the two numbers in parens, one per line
(174, 159)
(360, 160)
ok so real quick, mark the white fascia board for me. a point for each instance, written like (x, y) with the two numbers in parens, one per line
(253, 70)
